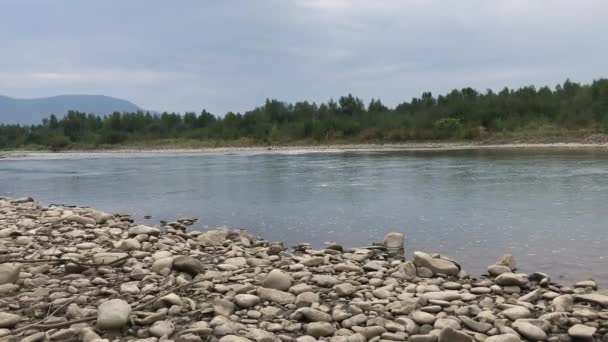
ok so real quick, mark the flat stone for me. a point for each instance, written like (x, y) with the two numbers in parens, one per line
(474, 325)
(142, 229)
(595, 298)
(512, 279)
(581, 331)
(276, 296)
(451, 335)
(80, 220)
(423, 338)
(320, 329)
(529, 331)
(503, 338)
(312, 315)
(234, 338)
(447, 296)
(516, 313)
(586, 283)
(436, 265)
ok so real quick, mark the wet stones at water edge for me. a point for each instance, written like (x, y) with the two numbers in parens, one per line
(77, 274)
(394, 243)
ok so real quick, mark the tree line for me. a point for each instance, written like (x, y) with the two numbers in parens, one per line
(457, 115)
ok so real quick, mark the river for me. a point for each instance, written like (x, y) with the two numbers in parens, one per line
(548, 208)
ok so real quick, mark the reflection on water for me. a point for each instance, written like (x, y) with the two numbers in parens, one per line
(547, 208)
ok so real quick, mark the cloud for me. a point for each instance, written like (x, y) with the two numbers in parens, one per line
(231, 55)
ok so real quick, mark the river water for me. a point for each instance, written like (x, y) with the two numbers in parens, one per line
(548, 208)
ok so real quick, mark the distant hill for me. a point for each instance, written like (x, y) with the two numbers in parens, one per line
(32, 111)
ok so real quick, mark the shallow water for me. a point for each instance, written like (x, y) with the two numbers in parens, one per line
(548, 208)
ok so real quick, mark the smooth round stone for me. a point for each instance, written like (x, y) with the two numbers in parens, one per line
(113, 314)
(246, 300)
(422, 317)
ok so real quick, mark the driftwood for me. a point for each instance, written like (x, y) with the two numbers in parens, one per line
(40, 326)
(173, 289)
(65, 261)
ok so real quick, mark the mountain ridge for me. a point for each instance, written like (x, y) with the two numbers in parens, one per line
(33, 110)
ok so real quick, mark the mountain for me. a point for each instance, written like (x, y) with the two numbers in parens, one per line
(32, 111)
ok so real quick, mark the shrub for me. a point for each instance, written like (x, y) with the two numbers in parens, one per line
(448, 128)
(58, 142)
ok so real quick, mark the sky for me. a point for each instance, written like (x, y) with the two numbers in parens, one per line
(231, 55)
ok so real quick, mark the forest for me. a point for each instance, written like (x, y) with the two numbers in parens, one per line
(569, 110)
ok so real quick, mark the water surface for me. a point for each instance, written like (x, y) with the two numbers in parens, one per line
(548, 208)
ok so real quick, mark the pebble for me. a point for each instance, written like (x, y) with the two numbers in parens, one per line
(249, 289)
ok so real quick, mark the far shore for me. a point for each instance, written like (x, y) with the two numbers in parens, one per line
(296, 149)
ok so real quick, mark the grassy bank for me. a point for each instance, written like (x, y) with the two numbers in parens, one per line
(524, 137)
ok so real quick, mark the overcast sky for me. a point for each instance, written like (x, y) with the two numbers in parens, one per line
(232, 54)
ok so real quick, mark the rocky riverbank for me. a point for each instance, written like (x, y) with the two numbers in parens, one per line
(77, 274)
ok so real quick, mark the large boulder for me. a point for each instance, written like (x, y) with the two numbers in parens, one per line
(436, 265)
(113, 314)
